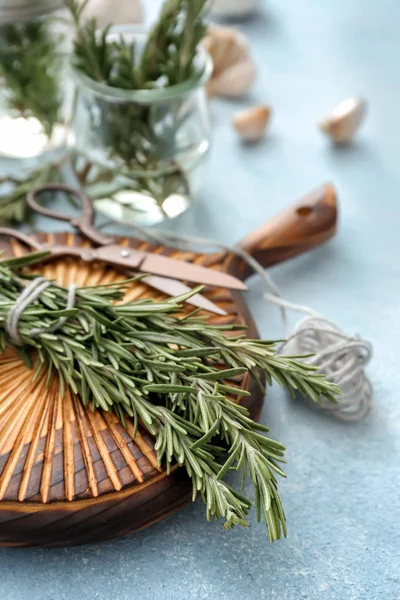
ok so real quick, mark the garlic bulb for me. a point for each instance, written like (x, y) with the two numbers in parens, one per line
(252, 123)
(345, 120)
(234, 70)
(117, 12)
(234, 8)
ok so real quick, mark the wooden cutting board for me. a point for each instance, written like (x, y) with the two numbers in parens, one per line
(70, 476)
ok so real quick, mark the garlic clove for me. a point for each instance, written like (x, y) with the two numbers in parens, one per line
(235, 81)
(252, 123)
(345, 120)
(226, 47)
(234, 70)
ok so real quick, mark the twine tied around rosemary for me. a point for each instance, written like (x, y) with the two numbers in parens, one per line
(28, 296)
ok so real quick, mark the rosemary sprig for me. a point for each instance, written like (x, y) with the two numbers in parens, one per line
(172, 44)
(176, 376)
(29, 71)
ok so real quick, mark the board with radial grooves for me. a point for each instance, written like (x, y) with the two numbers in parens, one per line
(71, 476)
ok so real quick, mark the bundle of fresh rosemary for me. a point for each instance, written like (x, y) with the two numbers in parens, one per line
(170, 374)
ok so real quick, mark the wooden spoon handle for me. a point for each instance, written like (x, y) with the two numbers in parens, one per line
(309, 223)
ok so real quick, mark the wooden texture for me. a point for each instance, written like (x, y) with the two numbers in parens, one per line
(70, 476)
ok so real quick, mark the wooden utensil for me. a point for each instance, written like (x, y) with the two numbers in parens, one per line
(70, 476)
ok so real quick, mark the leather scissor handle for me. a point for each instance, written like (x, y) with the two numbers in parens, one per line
(84, 222)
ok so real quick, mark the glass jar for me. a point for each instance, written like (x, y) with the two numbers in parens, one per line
(147, 147)
(34, 44)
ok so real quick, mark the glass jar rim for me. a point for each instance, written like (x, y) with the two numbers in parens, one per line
(147, 96)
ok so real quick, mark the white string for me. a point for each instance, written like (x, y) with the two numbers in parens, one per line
(28, 296)
(340, 356)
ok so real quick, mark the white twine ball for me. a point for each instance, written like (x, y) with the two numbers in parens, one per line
(342, 358)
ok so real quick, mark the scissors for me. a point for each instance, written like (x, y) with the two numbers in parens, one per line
(165, 274)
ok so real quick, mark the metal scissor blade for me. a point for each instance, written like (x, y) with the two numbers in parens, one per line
(155, 264)
(183, 271)
(172, 287)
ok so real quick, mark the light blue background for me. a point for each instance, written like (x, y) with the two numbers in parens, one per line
(342, 492)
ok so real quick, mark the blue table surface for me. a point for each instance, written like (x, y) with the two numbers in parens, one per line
(342, 492)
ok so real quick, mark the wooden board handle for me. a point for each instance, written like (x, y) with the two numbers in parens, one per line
(309, 223)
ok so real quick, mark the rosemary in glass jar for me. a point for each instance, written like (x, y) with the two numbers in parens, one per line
(141, 108)
(33, 47)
